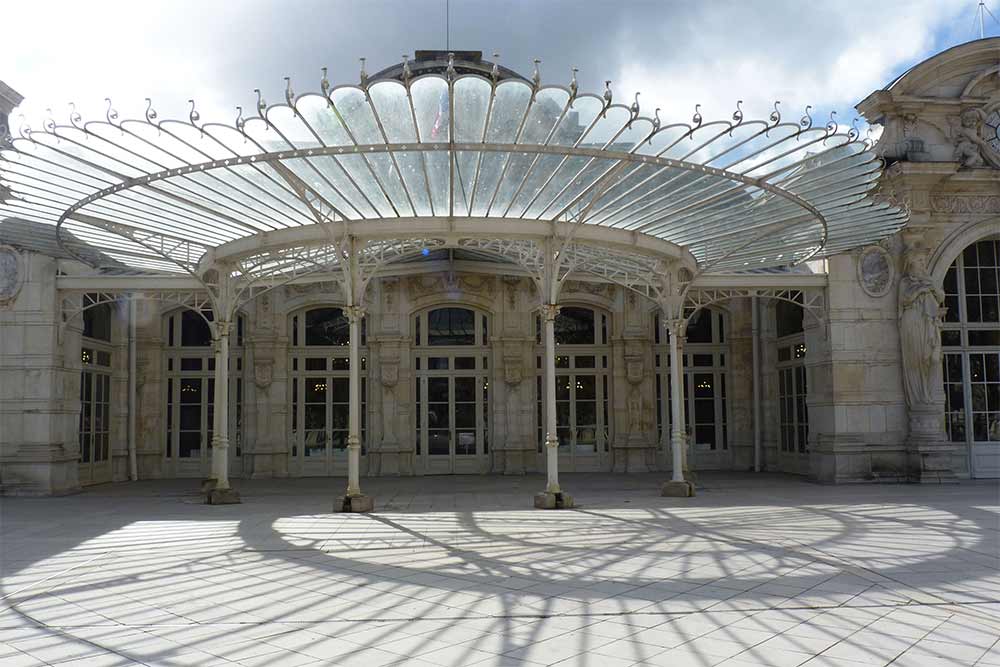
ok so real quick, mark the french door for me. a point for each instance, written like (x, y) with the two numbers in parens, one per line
(95, 424)
(452, 404)
(321, 404)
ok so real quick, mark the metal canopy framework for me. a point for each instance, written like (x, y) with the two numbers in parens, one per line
(733, 194)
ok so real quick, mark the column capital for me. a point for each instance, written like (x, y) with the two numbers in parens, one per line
(548, 311)
(676, 326)
(354, 313)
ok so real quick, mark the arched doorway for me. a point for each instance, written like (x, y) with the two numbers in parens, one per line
(96, 357)
(190, 395)
(971, 343)
(452, 390)
(583, 378)
(706, 408)
(320, 391)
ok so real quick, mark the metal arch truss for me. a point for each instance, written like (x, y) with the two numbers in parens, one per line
(810, 299)
(198, 301)
(736, 193)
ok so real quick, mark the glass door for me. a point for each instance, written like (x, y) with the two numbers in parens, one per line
(452, 399)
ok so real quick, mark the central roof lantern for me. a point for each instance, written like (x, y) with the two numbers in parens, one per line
(436, 62)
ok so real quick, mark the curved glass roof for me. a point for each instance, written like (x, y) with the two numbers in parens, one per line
(737, 193)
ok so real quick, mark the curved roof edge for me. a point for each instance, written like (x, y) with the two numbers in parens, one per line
(977, 51)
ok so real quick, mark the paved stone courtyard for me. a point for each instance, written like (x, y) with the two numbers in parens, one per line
(756, 570)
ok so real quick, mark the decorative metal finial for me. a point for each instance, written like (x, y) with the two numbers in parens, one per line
(407, 72)
(150, 111)
(110, 114)
(495, 72)
(656, 120)
(806, 121)
(239, 119)
(24, 128)
(75, 119)
(696, 118)
(261, 104)
(573, 86)
(324, 83)
(776, 114)
(289, 93)
(450, 72)
(738, 114)
(194, 116)
(831, 124)
(50, 123)
(607, 98)
(854, 132)
(364, 74)
(536, 76)
(634, 109)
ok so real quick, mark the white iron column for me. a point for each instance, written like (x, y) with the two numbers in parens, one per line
(549, 313)
(354, 315)
(220, 423)
(676, 401)
(678, 486)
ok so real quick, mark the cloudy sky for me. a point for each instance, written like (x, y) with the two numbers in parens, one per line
(677, 53)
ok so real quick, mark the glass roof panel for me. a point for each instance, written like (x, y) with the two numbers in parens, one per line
(472, 102)
(357, 115)
(509, 105)
(286, 121)
(319, 114)
(546, 110)
(577, 120)
(432, 107)
(393, 109)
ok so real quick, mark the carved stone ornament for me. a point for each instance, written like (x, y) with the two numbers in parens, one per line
(512, 371)
(603, 290)
(11, 275)
(633, 370)
(875, 271)
(976, 135)
(263, 373)
(468, 283)
(965, 203)
(921, 307)
(389, 373)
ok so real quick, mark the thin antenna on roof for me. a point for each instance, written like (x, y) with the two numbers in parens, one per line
(981, 13)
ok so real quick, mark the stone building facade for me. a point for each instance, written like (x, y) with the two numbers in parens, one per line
(451, 349)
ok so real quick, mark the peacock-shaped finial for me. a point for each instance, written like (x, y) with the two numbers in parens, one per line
(364, 74)
(495, 72)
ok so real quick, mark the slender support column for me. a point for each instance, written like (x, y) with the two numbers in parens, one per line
(549, 312)
(354, 316)
(677, 486)
(553, 496)
(354, 500)
(220, 493)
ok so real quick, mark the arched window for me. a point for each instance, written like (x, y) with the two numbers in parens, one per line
(451, 389)
(190, 393)
(96, 355)
(793, 414)
(320, 390)
(583, 424)
(971, 341)
(706, 407)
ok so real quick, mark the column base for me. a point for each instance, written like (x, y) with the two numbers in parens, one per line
(673, 489)
(356, 504)
(208, 485)
(223, 497)
(553, 501)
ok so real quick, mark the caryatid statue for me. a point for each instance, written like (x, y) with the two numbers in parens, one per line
(920, 311)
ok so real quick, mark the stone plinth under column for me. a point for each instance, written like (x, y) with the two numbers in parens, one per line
(673, 489)
(553, 501)
(223, 497)
(928, 453)
(355, 504)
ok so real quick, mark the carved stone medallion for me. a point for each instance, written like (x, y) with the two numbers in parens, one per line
(875, 271)
(11, 277)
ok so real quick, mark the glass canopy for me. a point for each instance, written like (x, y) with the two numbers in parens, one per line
(387, 156)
